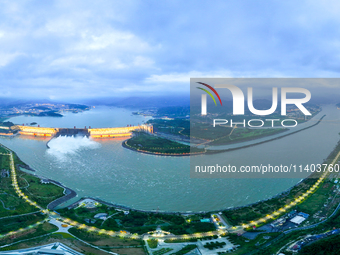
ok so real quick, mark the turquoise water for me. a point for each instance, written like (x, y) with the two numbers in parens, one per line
(104, 169)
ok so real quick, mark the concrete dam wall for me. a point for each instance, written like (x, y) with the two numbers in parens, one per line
(92, 132)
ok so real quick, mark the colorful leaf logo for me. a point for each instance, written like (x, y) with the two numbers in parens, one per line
(209, 93)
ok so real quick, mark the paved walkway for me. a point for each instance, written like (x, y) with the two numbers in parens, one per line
(71, 223)
(59, 225)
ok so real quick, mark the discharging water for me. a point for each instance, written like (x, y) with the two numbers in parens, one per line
(103, 168)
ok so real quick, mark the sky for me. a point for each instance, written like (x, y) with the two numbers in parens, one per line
(92, 49)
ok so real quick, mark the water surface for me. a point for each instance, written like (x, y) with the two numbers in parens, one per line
(104, 169)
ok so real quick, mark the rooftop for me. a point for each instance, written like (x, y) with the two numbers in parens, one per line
(48, 249)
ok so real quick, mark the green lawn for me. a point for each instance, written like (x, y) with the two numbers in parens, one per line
(317, 200)
(185, 249)
(162, 251)
(249, 245)
(43, 194)
(262, 208)
(10, 203)
(63, 235)
(145, 142)
(329, 246)
(103, 240)
(39, 230)
(3, 150)
(152, 243)
(13, 224)
(136, 222)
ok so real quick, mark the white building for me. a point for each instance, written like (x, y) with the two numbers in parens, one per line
(48, 249)
(298, 219)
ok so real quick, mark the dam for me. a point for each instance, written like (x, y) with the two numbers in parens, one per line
(114, 132)
(117, 175)
(72, 132)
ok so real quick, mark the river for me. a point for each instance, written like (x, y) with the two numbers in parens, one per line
(106, 170)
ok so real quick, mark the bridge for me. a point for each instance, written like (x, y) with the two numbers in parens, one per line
(89, 132)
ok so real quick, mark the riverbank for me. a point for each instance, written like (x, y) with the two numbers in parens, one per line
(125, 145)
(21, 164)
(145, 143)
(68, 193)
(263, 207)
(266, 141)
(94, 230)
(149, 144)
(272, 208)
(247, 139)
(67, 198)
(113, 168)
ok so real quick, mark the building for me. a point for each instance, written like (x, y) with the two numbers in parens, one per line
(305, 215)
(48, 249)
(292, 214)
(298, 219)
(101, 216)
(278, 222)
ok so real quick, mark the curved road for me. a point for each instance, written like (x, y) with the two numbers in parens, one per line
(136, 236)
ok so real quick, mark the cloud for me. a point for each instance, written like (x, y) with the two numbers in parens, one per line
(184, 77)
(5, 59)
(91, 48)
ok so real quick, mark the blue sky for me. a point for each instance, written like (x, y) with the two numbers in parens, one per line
(84, 49)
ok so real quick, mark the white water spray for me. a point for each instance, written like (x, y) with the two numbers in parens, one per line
(69, 145)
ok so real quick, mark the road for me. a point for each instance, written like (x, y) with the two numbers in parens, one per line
(306, 227)
(53, 215)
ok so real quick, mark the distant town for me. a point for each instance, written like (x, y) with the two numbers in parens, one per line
(41, 109)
